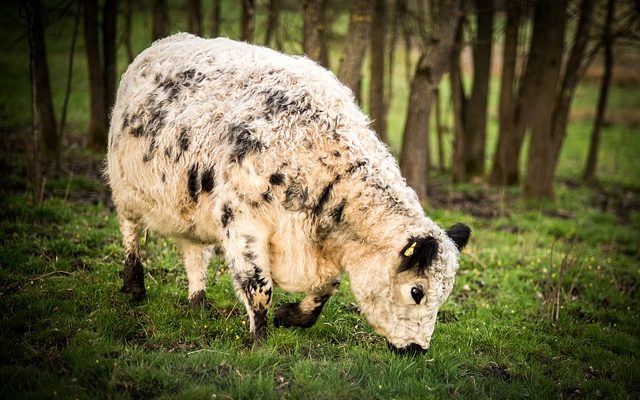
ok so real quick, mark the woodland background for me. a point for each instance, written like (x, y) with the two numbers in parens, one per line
(519, 118)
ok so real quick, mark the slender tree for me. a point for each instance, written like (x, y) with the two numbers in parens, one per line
(98, 117)
(109, 17)
(377, 98)
(433, 63)
(472, 133)
(272, 24)
(549, 127)
(592, 159)
(126, 34)
(160, 21)
(313, 40)
(194, 16)
(355, 45)
(247, 21)
(504, 170)
(215, 18)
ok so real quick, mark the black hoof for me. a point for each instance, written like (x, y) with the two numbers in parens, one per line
(199, 301)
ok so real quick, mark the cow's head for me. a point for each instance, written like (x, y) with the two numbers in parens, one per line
(401, 294)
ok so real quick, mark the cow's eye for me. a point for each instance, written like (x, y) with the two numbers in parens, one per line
(417, 294)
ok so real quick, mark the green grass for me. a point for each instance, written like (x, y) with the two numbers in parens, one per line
(67, 331)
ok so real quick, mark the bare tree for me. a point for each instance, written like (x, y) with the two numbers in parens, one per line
(98, 118)
(433, 63)
(215, 18)
(314, 42)
(355, 44)
(592, 158)
(194, 16)
(472, 133)
(126, 34)
(272, 25)
(247, 21)
(549, 127)
(109, 17)
(504, 169)
(377, 98)
(160, 22)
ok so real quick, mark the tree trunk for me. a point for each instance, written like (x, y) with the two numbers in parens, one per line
(548, 29)
(377, 98)
(433, 63)
(355, 45)
(127, 30)
(48, 132)
(439, 129)
(215, 18)
(313, 40)
(247, 21)
(194, 16)
(592, 159)
(160, 23)
(98, 118)
(272, 22)
(500, 176)
(459, 100)
(109, 17)
(476, 123)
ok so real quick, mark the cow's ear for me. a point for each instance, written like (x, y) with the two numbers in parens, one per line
(460, 234)
(419, 253)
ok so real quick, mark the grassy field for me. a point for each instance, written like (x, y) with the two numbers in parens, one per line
(545, 305)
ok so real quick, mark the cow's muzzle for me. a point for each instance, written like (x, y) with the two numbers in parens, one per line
(409, 350)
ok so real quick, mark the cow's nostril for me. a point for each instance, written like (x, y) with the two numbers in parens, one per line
(409, 350)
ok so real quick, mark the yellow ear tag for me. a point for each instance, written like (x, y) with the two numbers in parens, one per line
(409, 252)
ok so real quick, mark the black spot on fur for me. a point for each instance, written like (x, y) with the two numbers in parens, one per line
(266, 196)
(227, 215)
(125, 121)
(168, 151)
(249, 256)
(184, 140)
(295, 196)
(337, 211)
(133, 278)
(193, 183)
(460, 234)
(324, 197)
(276, 179)
(279, 101)
(260, 321)
(422, 255)
(290, 314)
(164, 177)
(208, 180)
(243, 141)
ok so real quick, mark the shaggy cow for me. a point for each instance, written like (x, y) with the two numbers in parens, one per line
(221, 143)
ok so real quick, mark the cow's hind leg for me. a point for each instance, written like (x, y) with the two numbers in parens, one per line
(305, 313)
(246, 250)
(196, 261)
(133, 274)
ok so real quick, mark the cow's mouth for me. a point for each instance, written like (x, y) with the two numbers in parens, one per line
(412, 349)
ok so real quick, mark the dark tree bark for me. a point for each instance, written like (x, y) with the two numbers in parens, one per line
(504, 171)
(67, 92)
(272, 23)
(127, 30)
(433, 63)
(215, 18)
(476, 124)
(109, 17)
(314, 42)
(550, 18)
(98, 118)
(547, 134)
(247, 21)
(392, 46)
(194, 16)
(377, 98)
(439, 129)
(355, 45)
(459, 100)
(160, 23)
(45, 118)
(592, 158)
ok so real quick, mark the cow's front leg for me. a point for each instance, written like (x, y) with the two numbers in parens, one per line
(249, 262)
(196, 261)
(305, 313)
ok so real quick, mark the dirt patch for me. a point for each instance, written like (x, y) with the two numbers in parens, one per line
(496, 370)
(482, 203)
(621, 202)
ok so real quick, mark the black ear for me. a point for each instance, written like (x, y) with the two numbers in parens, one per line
(419, 252)
(460, 234)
